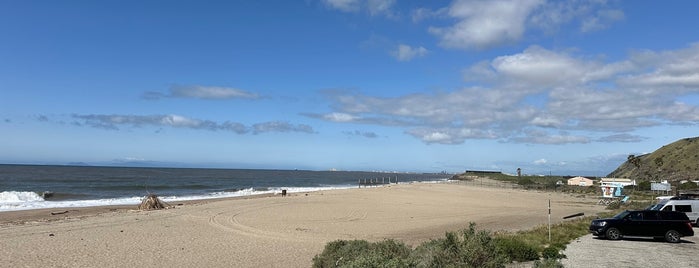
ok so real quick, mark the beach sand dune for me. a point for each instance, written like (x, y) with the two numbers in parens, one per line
(271, 231)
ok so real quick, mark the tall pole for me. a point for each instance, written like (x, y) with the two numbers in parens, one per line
(549, 220)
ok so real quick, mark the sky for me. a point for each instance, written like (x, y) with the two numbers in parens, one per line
(551, 87)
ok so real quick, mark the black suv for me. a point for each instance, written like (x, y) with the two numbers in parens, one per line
(670, 225)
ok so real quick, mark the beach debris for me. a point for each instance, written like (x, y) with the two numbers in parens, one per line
(574, 215)
(46, 194)
(59, 212)
(151, 202)
(51, 235)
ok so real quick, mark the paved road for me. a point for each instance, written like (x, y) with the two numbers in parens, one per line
(590, 251)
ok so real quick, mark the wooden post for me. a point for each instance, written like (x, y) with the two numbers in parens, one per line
(549, 220)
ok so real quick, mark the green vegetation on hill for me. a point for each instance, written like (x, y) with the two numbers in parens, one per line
(673, 162)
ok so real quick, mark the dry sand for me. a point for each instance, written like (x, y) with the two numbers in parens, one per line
(269, 231)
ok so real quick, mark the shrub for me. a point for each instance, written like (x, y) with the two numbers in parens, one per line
(553, 252)
(360, 253)
(472, 249)
(516, 249)
(548, 263)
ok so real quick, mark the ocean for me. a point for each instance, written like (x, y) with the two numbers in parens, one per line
(23, 187)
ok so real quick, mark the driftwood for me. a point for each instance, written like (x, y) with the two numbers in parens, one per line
(59, 212)
(151, 202)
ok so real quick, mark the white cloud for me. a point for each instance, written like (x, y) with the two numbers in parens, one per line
(481, 24)
(377, 7)
(344, 5)
(365, 134)
(201, 92)
(541, 161)
(426, 13)
(544, 97)
(601, 20)
(280, 126)
(340, 117)
(373, 7)
(670, 70)
(407, 53)
(484, 24)
(114, 122)
(624, 137)
(204, 92)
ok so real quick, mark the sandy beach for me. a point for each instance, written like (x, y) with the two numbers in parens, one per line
(269, 231)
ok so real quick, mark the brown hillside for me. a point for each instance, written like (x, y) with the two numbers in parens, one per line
(676, 161)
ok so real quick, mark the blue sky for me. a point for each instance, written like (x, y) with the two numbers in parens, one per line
(552, 87)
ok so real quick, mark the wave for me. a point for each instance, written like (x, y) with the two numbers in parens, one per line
(16, 196)
(13, 200)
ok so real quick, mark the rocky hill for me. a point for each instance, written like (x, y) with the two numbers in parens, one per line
(674, 162)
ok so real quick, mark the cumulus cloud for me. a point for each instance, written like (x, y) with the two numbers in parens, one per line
(114, 122)
(280, 126)
(373, 7)
(406, 53)
(624, 137)
(201, 92)
(484, 24)
(481, 24)
(367, 134)
(541, 96)
(601, 20)
(421, 14)
(541, 161)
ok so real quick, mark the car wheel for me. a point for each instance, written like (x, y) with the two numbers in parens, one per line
(672, 236)
(613, 234)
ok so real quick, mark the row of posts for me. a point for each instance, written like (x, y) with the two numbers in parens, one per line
(374, 182)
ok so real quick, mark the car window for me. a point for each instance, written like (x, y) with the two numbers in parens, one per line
(621, 215)
(673, 216)
(636, 215)
(668, 208)
(655, 207)
(683, 208)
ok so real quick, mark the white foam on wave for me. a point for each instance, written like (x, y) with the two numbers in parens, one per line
(12, 201)
(15, 197)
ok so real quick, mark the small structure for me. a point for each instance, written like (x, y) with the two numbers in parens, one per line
(580, 181)
(623, 182)
(612, 189)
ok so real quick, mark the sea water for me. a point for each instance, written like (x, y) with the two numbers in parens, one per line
(22, 187)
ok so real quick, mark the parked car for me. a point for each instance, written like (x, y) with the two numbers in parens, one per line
(670, 225)
(688, 206)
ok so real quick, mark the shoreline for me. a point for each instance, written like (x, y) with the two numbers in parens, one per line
(63, 213)
(270, 231)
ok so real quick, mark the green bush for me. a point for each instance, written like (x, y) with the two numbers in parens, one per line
(516, 249)
(553, 252)
(548, 263)
(525, 181)
(472, 249)
(360, 253)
